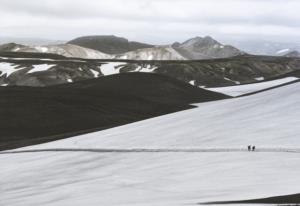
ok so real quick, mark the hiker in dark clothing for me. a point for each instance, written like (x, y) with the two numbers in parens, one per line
(253, 148)
(249, 147)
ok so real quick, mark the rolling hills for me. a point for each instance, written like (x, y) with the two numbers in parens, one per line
(41, 69)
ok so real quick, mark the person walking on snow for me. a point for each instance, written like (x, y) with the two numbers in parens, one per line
(249, 147)
(253, 148)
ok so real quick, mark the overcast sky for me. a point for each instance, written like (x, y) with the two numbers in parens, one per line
(152, 21)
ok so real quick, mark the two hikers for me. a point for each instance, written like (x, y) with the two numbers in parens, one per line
(251, 148)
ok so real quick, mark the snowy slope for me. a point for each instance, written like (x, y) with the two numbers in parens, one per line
(155, 53)
(227, 123)
(249, 88)
(269, 119)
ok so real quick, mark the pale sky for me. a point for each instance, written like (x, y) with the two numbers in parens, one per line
(152, 21)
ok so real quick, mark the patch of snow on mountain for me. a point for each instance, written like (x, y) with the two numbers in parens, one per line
(42, 49)
(249, 88)
(236, 82)
(111, 68)
(147, 69)
(282, 51)
(95, 73)
(150, 57)
(259, 78)
(155, 53)
(7, 68)
(16, 49)
(40, 67)
(70, 80)
(192, 82)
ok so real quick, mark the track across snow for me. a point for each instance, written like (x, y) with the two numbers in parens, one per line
(162, 150)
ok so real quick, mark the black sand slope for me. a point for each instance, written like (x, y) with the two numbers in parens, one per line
(286, 199)
(31, 115)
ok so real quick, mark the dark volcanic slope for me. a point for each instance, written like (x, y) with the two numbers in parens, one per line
(286, 199)
(31, 115)
(108, 44)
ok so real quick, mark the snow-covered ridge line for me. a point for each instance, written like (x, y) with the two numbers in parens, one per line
(239, 90)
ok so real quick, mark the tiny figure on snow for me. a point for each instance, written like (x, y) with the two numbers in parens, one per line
(249, 147)
(253, 148)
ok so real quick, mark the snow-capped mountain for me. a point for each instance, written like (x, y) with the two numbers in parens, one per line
(185, 158)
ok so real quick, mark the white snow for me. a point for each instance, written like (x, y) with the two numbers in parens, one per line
(249, 88)
(236, 82)
(227, 123)
(155, 53)
(192, 82)
(111, 68)
(4, 85)
(150, 57)
(69, 80)
(42, 49)
(16, 49)
(145, 68)
(268, 119)
(282, 51)
(7, 68)
(95, 73)
(40, 67)
(259, 78)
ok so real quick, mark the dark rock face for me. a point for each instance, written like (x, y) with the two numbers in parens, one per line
(31, 115)
(109, 44)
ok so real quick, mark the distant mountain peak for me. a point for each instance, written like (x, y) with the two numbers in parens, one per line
(205, 48)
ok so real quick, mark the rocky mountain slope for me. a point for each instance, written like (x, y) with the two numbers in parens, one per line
(205, 48)
(155, 53)
(108, 47)
(66, 50)
(195, 48)
(33, 69)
